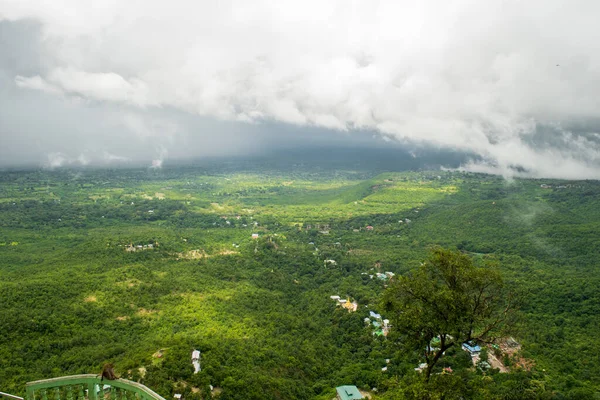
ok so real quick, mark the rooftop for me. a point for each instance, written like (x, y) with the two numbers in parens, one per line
(348, 392)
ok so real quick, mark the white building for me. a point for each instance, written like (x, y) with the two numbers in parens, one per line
(196, 361)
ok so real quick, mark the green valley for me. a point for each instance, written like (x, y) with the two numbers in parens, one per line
(139, 267)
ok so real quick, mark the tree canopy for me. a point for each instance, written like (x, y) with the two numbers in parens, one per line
(447, 301)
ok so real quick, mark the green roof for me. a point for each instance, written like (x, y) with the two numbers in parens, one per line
(348, 392)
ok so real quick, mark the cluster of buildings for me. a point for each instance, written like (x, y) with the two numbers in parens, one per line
(350, 306)
(381, 327)
(319, 227)
(474, 350)
(383, 276)
(140, 247)
(568, 186)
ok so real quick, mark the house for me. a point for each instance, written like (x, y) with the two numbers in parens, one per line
(334, 297)
(348, 393)
(177, 396)
(255, 236)
(390, 274)
(196, 361)
(374, 315)
(472, 349)
(369, 228)
(421, 367)
(386, 327)
(484, 365)
(105, 389)
(381, 276)
(330, 262)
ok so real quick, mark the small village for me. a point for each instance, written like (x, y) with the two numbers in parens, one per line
(140, 247)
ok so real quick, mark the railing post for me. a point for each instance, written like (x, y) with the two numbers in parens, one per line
(30, 395)
(92, 391)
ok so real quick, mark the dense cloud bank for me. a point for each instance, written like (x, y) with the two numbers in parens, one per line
(515, 82)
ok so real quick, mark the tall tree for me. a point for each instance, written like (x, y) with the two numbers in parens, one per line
(450, 301)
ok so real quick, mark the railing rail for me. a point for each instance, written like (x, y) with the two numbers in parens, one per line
(10, 396)
(88, 387)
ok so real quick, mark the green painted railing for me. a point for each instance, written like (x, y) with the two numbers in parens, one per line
(88, 387)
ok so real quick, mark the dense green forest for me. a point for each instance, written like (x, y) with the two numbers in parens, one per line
(139, 267)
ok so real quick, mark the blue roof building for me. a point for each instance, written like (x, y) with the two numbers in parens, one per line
(471, 348)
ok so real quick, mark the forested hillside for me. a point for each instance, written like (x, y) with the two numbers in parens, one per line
(139, 267)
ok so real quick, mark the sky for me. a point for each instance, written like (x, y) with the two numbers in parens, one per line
(106, 82)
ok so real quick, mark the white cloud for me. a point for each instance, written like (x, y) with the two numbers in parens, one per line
(97, 86)
(83, 159)
(476, 76)
(56, 160)
(38, 83)
(110, 158)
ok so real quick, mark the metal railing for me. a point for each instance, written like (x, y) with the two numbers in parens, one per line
(88, 387)
(10, 396)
